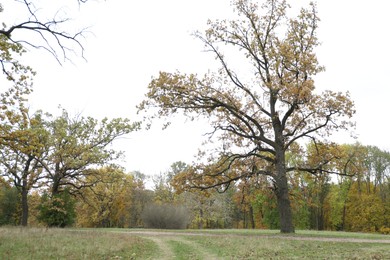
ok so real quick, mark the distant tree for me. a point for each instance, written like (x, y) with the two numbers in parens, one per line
(365, 210)
(163, 190)
(107, 203)
(377, 162)
(141, 198)
(257, 117)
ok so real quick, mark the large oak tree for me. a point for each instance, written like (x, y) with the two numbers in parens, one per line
(259, 106)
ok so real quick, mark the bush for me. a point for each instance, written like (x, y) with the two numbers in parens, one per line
(165, 216)
(385, 230)
(58, 210)
(9, 201)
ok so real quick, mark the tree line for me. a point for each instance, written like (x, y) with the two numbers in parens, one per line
(359, 202)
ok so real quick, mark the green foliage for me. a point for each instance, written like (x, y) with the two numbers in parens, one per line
(78, 143)
(58, 210)
(9, 202)
(365, 211)
(268, 205)
(337, 200)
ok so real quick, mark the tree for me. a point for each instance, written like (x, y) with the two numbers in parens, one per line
(21, 153)
(141, 198)
(77, 146)
(57, 210)
(256, 119)
(108, 203)
(8, 203)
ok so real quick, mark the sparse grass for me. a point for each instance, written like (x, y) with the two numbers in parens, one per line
(30, 243)
(300, 233)
(341, 234)
(183, 251)
(250, 247)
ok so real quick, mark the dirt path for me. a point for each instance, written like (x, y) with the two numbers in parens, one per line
(162, 240)
(166, 252)
(204, 254)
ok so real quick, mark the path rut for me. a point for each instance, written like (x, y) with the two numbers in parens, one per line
(166, 252)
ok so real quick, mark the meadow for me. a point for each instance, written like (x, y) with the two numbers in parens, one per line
(34, 243)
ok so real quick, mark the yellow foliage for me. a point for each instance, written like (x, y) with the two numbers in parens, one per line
(107, 203)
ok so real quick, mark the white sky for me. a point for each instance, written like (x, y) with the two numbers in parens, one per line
(133, 40)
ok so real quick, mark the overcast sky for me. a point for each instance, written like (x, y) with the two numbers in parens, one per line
(134, 40)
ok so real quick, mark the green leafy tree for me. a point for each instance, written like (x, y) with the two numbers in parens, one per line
(267, 204)
(9, 202)
(57, 210)
(257, 117)
(378, 170)
(79, 144)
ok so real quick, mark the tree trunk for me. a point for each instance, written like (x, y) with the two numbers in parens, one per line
(280, 177)
(251, 217)
(282, 195)
(285, 212)
(55, 189)
(200, 223)
(343, 218)
(24, 194)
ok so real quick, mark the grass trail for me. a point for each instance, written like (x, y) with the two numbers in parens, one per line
(165, 251)
(177, 246)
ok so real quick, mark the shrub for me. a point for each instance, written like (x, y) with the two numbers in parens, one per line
(385, 230)
(58, 210)
(9, 202)
(165, 216)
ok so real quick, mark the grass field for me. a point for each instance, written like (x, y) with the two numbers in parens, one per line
(31, 243)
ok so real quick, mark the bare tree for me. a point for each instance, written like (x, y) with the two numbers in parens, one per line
(49, 34)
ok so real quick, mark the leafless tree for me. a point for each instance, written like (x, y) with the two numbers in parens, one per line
(40, 32)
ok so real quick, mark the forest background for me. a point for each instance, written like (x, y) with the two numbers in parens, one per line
(112, 197)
